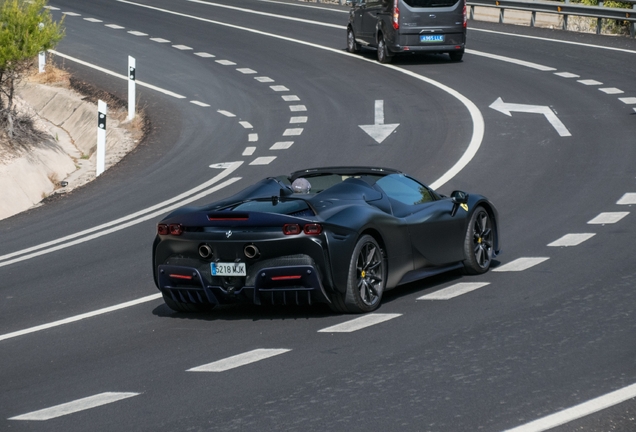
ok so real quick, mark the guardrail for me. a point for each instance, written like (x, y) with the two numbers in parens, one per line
(564, 9)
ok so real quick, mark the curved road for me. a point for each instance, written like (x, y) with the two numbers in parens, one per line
(243, 90)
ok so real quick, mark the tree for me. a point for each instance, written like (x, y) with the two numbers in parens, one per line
(27, 28)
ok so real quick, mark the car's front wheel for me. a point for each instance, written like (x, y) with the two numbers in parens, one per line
(178, 306)
(478, 244)
(367, 278)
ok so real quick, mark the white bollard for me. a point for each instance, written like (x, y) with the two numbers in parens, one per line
(42, 61)
(131, 87)
(102, 109)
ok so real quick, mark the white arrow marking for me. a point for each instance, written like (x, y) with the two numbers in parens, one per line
(507, 108)
(379, 131)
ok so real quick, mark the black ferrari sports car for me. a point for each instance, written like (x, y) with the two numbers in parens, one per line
(340, 235)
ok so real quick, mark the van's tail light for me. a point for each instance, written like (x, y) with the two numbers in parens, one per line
(396, 15)
(465, 18)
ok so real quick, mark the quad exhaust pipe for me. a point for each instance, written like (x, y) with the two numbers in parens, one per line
(251, 251)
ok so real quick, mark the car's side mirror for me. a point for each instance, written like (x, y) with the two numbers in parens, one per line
(459, 198)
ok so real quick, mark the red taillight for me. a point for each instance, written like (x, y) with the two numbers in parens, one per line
(465, 20)
(176, 229)
(291, 277)
(162, 229)
(178, 276)
(291, 229)
(396, 15)
(312, 229)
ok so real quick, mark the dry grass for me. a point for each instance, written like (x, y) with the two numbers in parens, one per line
(51, 76)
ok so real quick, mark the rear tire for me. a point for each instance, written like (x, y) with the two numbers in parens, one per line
(478, 243)
(456, 56)
(384, 56)
(352, 45)
(185, 307)
(367, 279)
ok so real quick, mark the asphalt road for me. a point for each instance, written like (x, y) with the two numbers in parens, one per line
(255, 88)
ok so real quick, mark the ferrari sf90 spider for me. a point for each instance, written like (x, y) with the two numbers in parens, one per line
(340, 235)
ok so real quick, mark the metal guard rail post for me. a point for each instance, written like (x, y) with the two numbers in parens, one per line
(565, 9)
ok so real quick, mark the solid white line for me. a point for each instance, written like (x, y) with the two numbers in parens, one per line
(476, 116)
(554, 40)
(233, 166)
(454, 291)
(572, 239)
(255, 12)
(627, 199)
(520, 264)
(305, 6)
(608, 218)
(75, 406)
(239, 360)
(124, 77)
(578, 411)
(359, 323)
(511, 60)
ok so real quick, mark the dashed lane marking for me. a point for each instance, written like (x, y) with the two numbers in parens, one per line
(627, 199)
(572, 239)
(283, 145)
(359, 323)
(299, 119)
(182, 47)
(246, 125)
(93, 20)
(264, 79)
(226, 113)
(628, 100)
(253, 137)
(201, 104)
(75, 406)
(520, 264)
(160, 40)
(297, 108)
(249, 151)
(578, 411)
(590, 82)
(73, 14)
(137, 33)
(611, 90)
(226, 62)
(246, 71)
(239, 360)
(114, 26)
(511, 60)
(567, 75)
(608, 218)
(293, 132)
(263, 160)
(290, 98)
(454, 291)
(204, 54)
(279, 88)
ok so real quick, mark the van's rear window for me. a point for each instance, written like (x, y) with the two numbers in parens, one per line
(430, 3)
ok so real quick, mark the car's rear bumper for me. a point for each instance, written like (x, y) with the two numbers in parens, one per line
(426, 48)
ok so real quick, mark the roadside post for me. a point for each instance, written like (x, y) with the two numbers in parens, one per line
(41, 55)
(131, 87)
(101, 137)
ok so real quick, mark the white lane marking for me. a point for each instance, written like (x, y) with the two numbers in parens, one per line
(249, 151)
(360, 323)
(75, 406)
(578, 411)
(263, 160)
(226, 113)
(290, 98)
(239, 360)
(628, 198)
(305, 6)
(520, 264)
(255, 12)
(137, 33)
(506, 108)
(279, 88)
(202, 104)
(567, 75)
(555, 40)
(299, 119)
(572, 239)
(511, 60)
(115, 74)
(246, 71)
(611, 90)
(71, 14)
(114, 26)
(608, 218)
(159, 40)
(156, 210)
(182, 47)
(246, 125)
(476, 117)
(297, 108)
(51, 7)
(590, 82)
(283, 145)
(628, 100)
(204, 54)
(93, 20)
(454, 291)
(253, 137)
(293, 132)
(226, 62)
(264, 79)
(80, 317)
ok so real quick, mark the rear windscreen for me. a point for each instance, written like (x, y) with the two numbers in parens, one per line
(291, 207)
(430, 3)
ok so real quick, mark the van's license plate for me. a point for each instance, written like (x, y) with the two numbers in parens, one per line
(228, 269)
(431, 38)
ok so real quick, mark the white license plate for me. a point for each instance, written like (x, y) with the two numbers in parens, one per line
(431, 38)
(228, 269)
